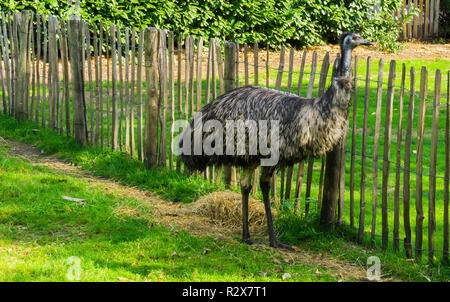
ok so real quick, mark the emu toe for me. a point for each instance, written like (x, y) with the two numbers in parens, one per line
(250, 241)
(280, 245)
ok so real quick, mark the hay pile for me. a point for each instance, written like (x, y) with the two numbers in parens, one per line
(225, 208)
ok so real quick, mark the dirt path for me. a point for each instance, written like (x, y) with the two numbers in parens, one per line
(179, 216)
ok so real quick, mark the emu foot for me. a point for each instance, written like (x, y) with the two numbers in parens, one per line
(279, 245)
(250, 241)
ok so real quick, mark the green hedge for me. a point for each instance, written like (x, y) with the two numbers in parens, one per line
(275, 22)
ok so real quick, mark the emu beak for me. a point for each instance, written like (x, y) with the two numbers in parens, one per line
(365, 42)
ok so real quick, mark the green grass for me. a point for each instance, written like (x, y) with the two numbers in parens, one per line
(40, 233)
(35, 223)
(306, 233)
(171, 185)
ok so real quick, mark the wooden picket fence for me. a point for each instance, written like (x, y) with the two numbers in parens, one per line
(423, 26)
(124, 89)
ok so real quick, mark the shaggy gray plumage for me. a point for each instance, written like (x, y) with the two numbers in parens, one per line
(307, 127)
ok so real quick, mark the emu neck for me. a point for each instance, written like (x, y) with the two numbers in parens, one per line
(344, 65)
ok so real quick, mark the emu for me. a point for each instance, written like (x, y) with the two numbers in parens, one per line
(306, 127)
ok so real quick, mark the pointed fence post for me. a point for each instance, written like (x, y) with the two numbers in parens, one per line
(151, 102)
(22, 20)
(78, 94)
(229, 81)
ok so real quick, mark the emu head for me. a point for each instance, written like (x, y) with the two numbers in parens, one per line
(351, 40)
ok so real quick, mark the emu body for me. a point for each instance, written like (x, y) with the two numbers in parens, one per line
(307, 127)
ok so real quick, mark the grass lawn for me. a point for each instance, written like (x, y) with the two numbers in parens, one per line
(40, 231)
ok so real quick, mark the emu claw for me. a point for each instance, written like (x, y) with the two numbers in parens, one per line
(280, 245)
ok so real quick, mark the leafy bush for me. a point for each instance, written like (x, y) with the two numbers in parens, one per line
(296, 22)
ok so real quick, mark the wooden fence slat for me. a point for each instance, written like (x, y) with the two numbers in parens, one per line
(407, 167)
(237, 64)
(38, 73)
(229, 81)
(256, 62)
(299, 179)
(12, 24)
(427, 19)
(419, 160)
(298, 184)
(322, 82)
(179, 87)
(422, 21)
(133, 92)
(310, 159)
(3, 79)
(198, 79)
(362, 206)
(376, 142)
(151, 106)
(96, 71)
(291, 69)
(127, 87)
(31, 53)
(280, 69)
(353, 147)
(278, 87)
(115, 100)
(78, 98)
(209, 64)
(162, 112)
(213, 69)
(139, 97)
(186, 75)
(290, 170)
(396, 233)
(212, 44)
(447, 172)
(267, 66)
(404, 24)
(21, 20)
(386, 155)
(302, 70)
(191, 75)
(100, 85)
(82, 72)
(433, 156)
(220, 72)
(436, 17)
(91, 86)
(44, 86)
(246, 64)
(120, 87)
(6, 61)
(171, 46)
(256, 76)
(65, 65)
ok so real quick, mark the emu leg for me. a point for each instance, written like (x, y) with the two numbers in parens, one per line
(246, 187)
(264, 183)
